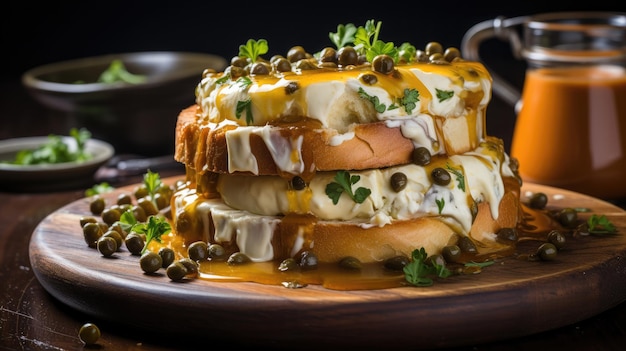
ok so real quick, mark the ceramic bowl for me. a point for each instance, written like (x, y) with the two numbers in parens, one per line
(53, 176)
(134, 118)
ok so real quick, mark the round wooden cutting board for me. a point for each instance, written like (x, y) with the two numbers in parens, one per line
(508, 299)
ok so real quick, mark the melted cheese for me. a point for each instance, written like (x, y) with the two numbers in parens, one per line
(251, 207)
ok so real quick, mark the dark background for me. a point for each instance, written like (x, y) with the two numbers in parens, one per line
(36, 34)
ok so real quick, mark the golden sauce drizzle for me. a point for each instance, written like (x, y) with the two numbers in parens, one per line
(534, 226)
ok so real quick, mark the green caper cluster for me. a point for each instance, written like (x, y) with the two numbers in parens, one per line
(555, 239)
(453, 255)
(104, 231)
(298, 59)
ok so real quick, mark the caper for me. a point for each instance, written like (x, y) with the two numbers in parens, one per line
(436, 260)
(433, 48)
(161, 201)
(308, 260)
(328, 54)
(260, 69)
(329, 65)
(383, 64)
(110, 215)
(297, 183)
(183, 222)
(235, 72)
(198, 251)
(106, 246)
(451, 253)
(568, 217)
(437, 58)
(97, 205)
(150, 262)
(398, 181)
(134, 243)
(582, 229)
(148, 206)
(239, 61)
(538, 200)
(420, 56)
(124, 198)
(369, 79)
(89, 333)
(216, 252)
(556, 238)
(85, 220)
(282, 65)
(238, 258)
(421, 156)
(296, 54)
(306, 64)
(451, 53)
(115, 235)
(190, 265)
(547, 252)
(347, 55)
(396, 263)
(507, 235)
(167, 256)
(467, 245)
(139, 213)
(351, 263)
(140, 191)
(440, 176)
(117, 226)
(176, 271)
(208, 72)
(91, 233)
(288, 264)
(103, 227)
(166, 190)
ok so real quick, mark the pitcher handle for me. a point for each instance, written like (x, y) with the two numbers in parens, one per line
(501, 28)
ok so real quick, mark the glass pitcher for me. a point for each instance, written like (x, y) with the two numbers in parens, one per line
(570, 130)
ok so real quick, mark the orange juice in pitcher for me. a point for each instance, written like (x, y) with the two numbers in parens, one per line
(570, 130)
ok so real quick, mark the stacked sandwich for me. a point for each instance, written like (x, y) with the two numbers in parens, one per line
(364, 150)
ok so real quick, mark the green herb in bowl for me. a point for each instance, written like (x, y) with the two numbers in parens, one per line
(117, 72)
(56, 150)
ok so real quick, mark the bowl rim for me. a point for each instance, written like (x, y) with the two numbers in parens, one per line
(101, 152)
(30, 78)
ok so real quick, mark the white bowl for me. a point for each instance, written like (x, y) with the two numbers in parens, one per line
(50, 176)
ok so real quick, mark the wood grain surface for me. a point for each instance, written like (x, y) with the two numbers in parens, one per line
(509, 299)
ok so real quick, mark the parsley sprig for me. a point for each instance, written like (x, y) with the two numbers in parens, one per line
(365, 40)
(343, 36)
(420, 271)
(408, 101)
(152, 182)
(154, 228)
(343, 184)
(253, 49)
(244, 106)
(600, 224)
(157, 225)
(460, 178)
(443, 95)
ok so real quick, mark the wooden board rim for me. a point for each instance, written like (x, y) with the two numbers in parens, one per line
(508, 300)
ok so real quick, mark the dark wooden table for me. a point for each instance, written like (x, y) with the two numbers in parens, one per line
(32, 319)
